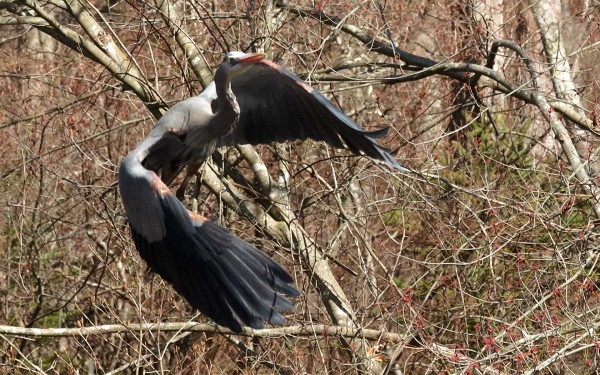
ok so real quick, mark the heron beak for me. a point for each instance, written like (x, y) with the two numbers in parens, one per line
(252, 58)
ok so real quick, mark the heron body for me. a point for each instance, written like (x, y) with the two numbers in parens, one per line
(251, 101)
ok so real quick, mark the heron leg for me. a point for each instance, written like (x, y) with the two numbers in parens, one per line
(192, 170)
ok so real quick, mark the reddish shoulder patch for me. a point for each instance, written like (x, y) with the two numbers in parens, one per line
(270, 63)
(288, 74)
(160, 187)
(305, 86)
(195, 216)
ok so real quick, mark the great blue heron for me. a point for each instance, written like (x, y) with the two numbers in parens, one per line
(252, 100)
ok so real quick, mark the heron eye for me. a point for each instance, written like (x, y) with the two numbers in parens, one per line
(230, 60)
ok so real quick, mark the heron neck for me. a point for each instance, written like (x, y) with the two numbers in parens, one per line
(227, 108)
(228, 100)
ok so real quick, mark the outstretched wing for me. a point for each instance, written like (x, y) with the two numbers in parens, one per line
(278, 106)
(224, 277)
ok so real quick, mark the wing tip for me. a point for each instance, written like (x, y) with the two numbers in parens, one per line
(379, 133)
(391, 162)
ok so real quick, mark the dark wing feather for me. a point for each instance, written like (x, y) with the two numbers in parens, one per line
(224, 277)
(278, 106)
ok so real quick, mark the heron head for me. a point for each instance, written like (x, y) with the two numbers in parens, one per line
(236, 62)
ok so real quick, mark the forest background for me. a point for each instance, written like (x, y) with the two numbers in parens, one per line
(483, 259)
